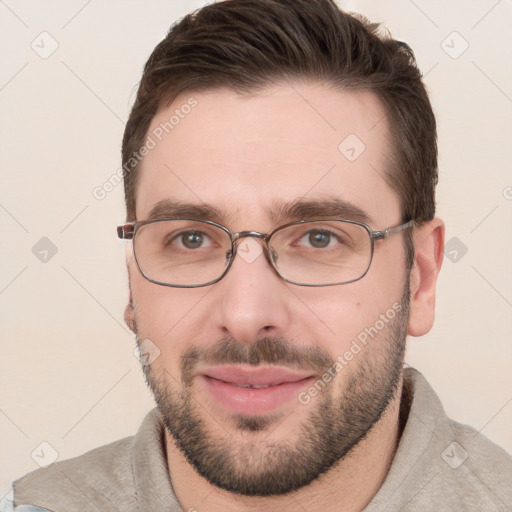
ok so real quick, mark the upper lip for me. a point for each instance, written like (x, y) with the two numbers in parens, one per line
(255, 376)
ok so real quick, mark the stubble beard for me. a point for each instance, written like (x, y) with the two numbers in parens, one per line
(266, 467)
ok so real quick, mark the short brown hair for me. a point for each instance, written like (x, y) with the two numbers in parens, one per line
(246, 45)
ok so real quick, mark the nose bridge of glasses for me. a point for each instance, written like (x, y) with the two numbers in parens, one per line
(246, 234)
(270, 254)
(238, 237)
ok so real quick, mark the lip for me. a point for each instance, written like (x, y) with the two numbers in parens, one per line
(224, 384)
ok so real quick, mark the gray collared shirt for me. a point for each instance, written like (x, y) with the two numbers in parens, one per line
(440, 465)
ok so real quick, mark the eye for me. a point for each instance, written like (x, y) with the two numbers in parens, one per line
(319, 239)
(191, 240)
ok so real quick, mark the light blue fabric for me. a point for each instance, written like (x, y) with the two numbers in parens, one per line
(6, 505)
(30, 508)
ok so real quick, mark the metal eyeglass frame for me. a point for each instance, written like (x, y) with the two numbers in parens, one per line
(128, 232)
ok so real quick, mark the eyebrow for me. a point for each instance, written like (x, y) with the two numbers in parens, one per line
(167, 208)
(279, 213)
(328, 208)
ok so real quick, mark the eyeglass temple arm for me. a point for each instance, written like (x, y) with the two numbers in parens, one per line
(386, 233)
(126, 231)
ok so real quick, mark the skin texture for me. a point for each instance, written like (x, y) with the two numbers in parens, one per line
(246, 156)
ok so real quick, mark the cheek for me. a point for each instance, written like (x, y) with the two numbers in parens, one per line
(167, 316)
(333, 317)
(363, 320)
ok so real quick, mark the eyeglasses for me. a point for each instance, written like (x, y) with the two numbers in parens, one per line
(189, 253)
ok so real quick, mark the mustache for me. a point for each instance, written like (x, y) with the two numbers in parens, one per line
(268, 350)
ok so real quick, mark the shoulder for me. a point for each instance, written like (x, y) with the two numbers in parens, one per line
(99, 471)
(464, 467)
(441, 464)
(480, 465)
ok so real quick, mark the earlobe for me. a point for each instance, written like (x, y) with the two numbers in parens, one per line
(428, 244)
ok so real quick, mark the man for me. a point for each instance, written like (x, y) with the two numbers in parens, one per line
(280, 168)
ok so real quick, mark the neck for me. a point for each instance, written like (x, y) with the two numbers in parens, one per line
(347, 487)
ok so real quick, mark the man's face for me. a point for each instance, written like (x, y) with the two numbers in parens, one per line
(249, 158)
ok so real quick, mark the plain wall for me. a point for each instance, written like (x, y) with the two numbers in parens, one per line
(68, 373)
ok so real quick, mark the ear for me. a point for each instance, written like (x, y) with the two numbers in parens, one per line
(129, 314)
(429, 253)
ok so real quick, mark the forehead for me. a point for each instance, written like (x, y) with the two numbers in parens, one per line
(245, 155)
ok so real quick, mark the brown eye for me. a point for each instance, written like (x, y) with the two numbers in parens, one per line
(192, 240)
(319, 239)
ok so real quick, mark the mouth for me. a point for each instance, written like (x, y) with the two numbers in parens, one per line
(253, 391)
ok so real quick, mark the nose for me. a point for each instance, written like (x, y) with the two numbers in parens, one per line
(253, 299)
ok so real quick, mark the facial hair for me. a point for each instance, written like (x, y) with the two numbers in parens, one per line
(335, 425)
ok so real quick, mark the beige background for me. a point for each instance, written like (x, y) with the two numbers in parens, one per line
(68, 374)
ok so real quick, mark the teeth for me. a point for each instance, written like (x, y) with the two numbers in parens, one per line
(251, 386)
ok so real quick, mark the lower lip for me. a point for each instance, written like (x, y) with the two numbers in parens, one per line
(251, 401)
